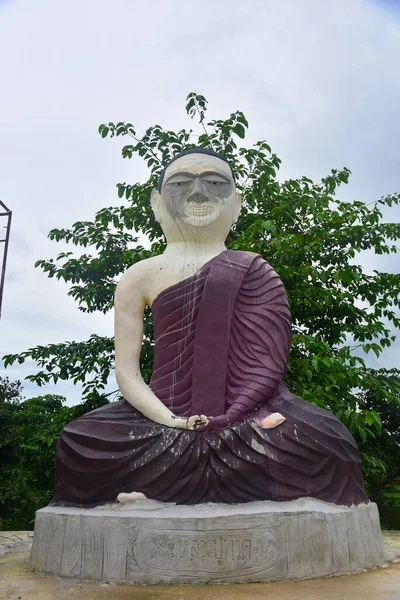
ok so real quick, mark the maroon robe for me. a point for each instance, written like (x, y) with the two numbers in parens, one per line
(222, 341)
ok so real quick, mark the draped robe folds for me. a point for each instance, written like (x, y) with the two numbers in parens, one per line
(222, 341)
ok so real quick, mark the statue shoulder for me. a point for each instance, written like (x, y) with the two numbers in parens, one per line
(245, 256)
(256, 265)
(136, 281)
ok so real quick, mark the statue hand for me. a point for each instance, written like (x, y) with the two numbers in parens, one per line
(193, 422)
(197, 421)
(219, 422)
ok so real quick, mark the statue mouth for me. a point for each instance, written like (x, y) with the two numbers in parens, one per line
(197, 209)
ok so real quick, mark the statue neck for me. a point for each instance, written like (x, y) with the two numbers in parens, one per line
(198, 251)
(189, 248)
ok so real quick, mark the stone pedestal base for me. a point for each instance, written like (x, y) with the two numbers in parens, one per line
(148, 542)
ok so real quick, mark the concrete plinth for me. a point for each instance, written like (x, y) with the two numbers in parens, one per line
(149, 542)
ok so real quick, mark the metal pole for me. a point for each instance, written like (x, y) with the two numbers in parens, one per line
(7, 214)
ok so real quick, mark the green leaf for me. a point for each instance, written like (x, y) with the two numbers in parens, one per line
(242, 119)
(363, 433)
(269, 226)
(190, 105)
(369, 419)
(239, 130)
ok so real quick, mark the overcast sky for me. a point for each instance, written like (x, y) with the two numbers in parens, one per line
(320, 80)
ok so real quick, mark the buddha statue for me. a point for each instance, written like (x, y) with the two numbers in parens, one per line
(217, 422)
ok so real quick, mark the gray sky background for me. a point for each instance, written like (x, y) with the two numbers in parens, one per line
(319, 80)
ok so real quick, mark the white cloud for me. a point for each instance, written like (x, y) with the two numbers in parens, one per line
(318, 80)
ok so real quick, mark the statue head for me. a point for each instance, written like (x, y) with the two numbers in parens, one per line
(196, 196)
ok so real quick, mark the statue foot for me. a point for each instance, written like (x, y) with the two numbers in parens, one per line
(271, 421)
(132, 497)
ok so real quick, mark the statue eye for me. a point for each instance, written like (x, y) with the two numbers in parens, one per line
(215, 182)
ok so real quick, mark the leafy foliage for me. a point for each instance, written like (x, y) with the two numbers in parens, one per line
(381, 457)
(10, 391)
(28, 433)
(306, 232)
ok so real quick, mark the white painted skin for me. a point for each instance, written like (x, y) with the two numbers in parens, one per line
(197, 207)
(273, 420)
(130, 497)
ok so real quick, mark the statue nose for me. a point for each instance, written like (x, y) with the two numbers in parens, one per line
(197, 193)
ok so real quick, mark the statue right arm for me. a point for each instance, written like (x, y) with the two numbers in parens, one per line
(129, 305)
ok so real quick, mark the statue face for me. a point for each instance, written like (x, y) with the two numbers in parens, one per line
(199, 190)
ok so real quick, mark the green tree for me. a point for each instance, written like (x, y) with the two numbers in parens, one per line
(10, 399)
(310, 236)
(10, 391)
(28, 432)
(381, 456)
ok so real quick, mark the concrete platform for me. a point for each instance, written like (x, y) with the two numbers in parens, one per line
(19, 582)
(149, 542)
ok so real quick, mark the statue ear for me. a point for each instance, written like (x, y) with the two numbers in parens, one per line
(155, 201)
(238, 205)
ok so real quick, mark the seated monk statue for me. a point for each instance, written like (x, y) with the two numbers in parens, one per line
(217, 422)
